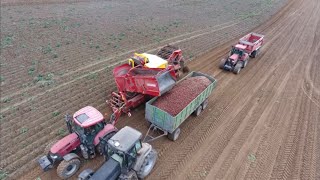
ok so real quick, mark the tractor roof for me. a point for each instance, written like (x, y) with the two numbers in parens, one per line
(87, 116)
(125, 139)
(240, 46)
(234, 56)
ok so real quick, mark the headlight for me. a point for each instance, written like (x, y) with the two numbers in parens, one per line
(54, 156)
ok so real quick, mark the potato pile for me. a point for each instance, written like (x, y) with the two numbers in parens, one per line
(182, 94)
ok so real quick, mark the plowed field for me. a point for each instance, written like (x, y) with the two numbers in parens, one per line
(260, 124)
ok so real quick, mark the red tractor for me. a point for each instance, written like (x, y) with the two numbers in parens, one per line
(86, 128)
(248, 46)
(146, 76)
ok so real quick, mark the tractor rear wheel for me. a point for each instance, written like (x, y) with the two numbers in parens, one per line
(245, 62)
(222, 63)
(49, 145)
(66, 169)
(237, 68)
(148, 164)
(174, 135)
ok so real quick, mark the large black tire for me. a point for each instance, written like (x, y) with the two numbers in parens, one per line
(184, 67)
(49, 145)
(245, 62)
(85, 174)
(222, 63)
(237, 68)
(66, 169)
(148, 164)
(174, 135)
(198, 111)
(255, 53)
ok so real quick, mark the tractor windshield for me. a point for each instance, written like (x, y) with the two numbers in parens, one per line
(78, 129)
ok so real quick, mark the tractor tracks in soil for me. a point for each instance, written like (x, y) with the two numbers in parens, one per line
(260, 124)
(267, 128)
(96, 67)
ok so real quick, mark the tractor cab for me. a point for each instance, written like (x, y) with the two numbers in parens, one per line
(124, 147)
(87, 121)
(238, 49)
(125, 156)
(148, 60)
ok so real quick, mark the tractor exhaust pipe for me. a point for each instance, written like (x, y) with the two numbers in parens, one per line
(68, 119)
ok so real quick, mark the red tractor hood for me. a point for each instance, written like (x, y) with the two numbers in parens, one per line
(234, 56)
(66, 144)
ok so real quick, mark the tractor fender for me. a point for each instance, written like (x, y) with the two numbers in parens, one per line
(108, 128)
(70, 156)
(142, 154)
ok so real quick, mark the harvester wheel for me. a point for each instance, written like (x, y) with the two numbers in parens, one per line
(237, 69)
(66, 169)
(49, 145)
(184, 67)
(148, 164)
(197, 112)
(174, 135)
(222, 63)
(205, 104)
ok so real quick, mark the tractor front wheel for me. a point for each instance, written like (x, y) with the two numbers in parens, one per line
(222, 63)
(174, 135)
(148, 164)
(66, 169)
(237, 69)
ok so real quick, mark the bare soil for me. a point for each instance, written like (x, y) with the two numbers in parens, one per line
(260, 124)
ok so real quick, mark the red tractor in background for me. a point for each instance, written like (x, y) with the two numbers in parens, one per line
(146, 76)
(86, 129)
(248, 46)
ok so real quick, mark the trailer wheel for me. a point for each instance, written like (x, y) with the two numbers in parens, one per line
(174, 135)
(66, 169)
(205, 104)
(254, 54)
(222, 63)
(197, 112)
(237, 68)
(148, 164)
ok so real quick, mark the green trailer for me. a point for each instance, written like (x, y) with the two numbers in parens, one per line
(168, 124)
